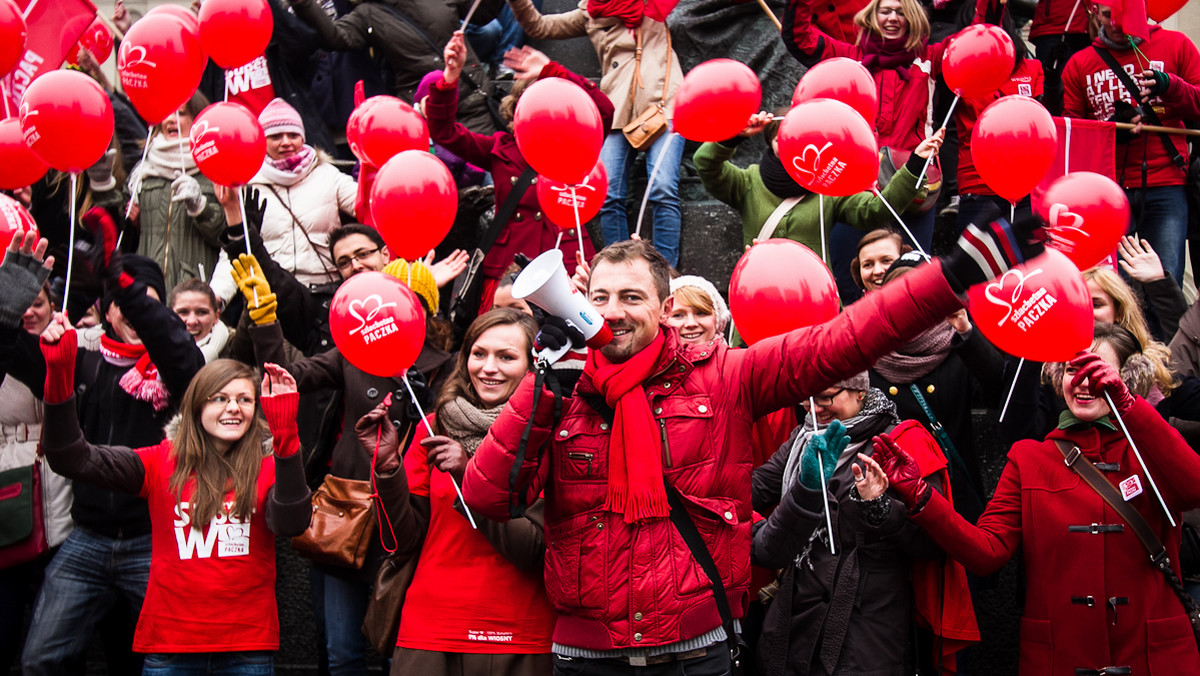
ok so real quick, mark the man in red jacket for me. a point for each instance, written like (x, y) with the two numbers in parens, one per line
(627, 589)
(1151, 167)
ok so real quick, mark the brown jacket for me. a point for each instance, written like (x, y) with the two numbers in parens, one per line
(616, 47)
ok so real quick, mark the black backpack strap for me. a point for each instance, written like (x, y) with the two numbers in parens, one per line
(1147, 112)
(506, 209)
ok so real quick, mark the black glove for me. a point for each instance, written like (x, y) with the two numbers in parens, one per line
(1124, 112)
(556, 333)
(100, 257)
(255, 207)
(1161, 82)
(990, 246)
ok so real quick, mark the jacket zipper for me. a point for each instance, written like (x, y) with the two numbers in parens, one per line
(662, 425)
(580, 455)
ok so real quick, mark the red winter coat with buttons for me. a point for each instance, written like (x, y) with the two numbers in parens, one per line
(527, 231)
(616, 585)
(1092, 599)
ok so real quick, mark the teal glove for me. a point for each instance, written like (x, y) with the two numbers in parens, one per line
(829, 447)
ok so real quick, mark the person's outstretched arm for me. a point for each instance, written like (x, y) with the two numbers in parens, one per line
(289, 501)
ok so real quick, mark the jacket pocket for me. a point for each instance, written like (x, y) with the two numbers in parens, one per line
(1171, 646)
(1037, 647)
(580, 450)
(686, 425)
(717, 532)
(570, 586)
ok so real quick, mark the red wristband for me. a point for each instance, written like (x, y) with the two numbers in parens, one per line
(280, 411)
(60, 368)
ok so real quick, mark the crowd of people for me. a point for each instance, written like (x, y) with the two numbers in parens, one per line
(672, 502)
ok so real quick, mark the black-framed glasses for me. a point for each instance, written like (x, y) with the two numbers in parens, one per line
(823, 401)
(361, 256)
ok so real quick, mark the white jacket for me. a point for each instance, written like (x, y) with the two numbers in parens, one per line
(20, 430)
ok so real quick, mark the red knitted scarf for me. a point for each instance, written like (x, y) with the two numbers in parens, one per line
(141, 381)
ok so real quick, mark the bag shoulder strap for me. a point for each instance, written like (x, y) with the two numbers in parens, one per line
(1147, 112)
(691, 537)
(637, 73)
(300, 226)
(506, 209)
(667, 74)
(768, 228)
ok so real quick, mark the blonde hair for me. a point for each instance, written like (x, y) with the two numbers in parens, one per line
(1127, 314)
(918, 22)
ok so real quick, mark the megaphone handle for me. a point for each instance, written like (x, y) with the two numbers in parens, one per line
(550, 356)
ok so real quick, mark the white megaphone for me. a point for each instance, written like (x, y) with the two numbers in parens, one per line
(544, 282)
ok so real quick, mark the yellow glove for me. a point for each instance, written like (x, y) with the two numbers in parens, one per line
(248, 275)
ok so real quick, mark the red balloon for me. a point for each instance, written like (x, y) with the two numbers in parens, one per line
(828, 148)
(780, 285)
(978, 60)
(97, 40)
(413, 202)
(558, 129)
(228, 143)
(1161, 10)
(382, 126)
(67, 120)
(377, 323)
(843, 79)
(1013, 145)
(715, 100)
(12, 36)
(19, 166)
(559, 201)
(235, 32)
(160, 64)
(1086, 215)
(186, 17)
(1041, 310)
(13, 217)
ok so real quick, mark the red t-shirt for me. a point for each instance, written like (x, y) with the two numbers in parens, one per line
(250, 85)
(1026, 80)
(465, 597)
(210, 590)
(1091, 89)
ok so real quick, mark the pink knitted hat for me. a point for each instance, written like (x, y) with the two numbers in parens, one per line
(279, 117)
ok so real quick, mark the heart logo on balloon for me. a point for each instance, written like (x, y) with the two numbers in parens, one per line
(809, 164)
(1060, 212)
(376, 306)
(1041, 310)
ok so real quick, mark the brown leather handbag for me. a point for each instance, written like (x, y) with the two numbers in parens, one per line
(645, 129)
(343, 521)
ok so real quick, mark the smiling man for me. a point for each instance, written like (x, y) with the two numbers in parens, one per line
(627, 590)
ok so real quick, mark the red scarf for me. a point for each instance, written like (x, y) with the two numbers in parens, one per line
(635, 471)
(141, 381)
(630, 11)
(880, 53)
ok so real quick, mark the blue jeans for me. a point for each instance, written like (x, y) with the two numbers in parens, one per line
(82, 582)
(340, 607)
(247, 663)
(618, 157)
(491, 40)
(1159, 216)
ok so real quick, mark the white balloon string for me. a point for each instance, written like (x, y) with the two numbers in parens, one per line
(137, 187)
(812, 409)
(7, 103)
(1016, 374)
(429, 429)
(1012, 212)
(470, 13)
(650, 181)
(179, 137)
(929, 160)
(899, 220)
(821, 209)
(246, 231)
(71, 241)
(558, 242)
(1138, 454)
(578, 225)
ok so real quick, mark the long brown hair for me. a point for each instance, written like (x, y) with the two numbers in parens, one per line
(197, 458)
(458, 384)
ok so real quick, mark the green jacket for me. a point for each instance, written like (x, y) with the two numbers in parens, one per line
(177, 242)
(743, 190)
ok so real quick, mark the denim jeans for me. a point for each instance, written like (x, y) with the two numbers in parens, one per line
(83, 581)
(618, 157)
(1159, 216)
(246, 663)
(340, 607)
(491, 40)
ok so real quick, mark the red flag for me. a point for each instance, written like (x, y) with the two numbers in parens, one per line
(1129, 17)
(54, 28)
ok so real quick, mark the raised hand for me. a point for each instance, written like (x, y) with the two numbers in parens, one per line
(903, 473)
(1139, 261)
(186, 189)
(526, 62)
(869, 478)
(376, 428)
(248, 275)
(455, 57)
(59, 345)
(449, 268)
(1102, 378)
(101, 256)
(827, 448)
(277, 381)
(22, 275)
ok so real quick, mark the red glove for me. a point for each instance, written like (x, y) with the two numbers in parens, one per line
(60, 368)
(280, 411)
(102, 257)
(904, 476)
(1103, 378)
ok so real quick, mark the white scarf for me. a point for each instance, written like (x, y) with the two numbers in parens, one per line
(166, 158)
(274, 172)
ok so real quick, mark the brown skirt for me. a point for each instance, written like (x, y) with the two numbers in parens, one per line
(409, 662)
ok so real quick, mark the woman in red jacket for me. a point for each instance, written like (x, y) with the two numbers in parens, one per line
(217, 498)
(527, 230)
(1094, 603)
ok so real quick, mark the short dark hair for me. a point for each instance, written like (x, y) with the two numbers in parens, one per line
(343, 231)
(630, 250)
(193, 286)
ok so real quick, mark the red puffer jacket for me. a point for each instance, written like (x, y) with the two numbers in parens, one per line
(617, 585)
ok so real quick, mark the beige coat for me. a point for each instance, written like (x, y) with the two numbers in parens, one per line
(616, 46)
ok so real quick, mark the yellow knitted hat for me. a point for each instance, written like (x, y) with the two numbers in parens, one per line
(417, 277)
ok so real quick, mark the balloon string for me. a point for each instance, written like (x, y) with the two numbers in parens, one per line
(812, 409)
(578, 225)
(900, 221)
(929, 160)
(1011, 388)
(7, 103)
(429, 429)
(1138, 455)
(821, 209)
(650, 181)
(470, 13)
(558, 242)
(138, 187)
(246, 232)
(1012, 212)
(179, 137)
(1067, 146)
(71, 242)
